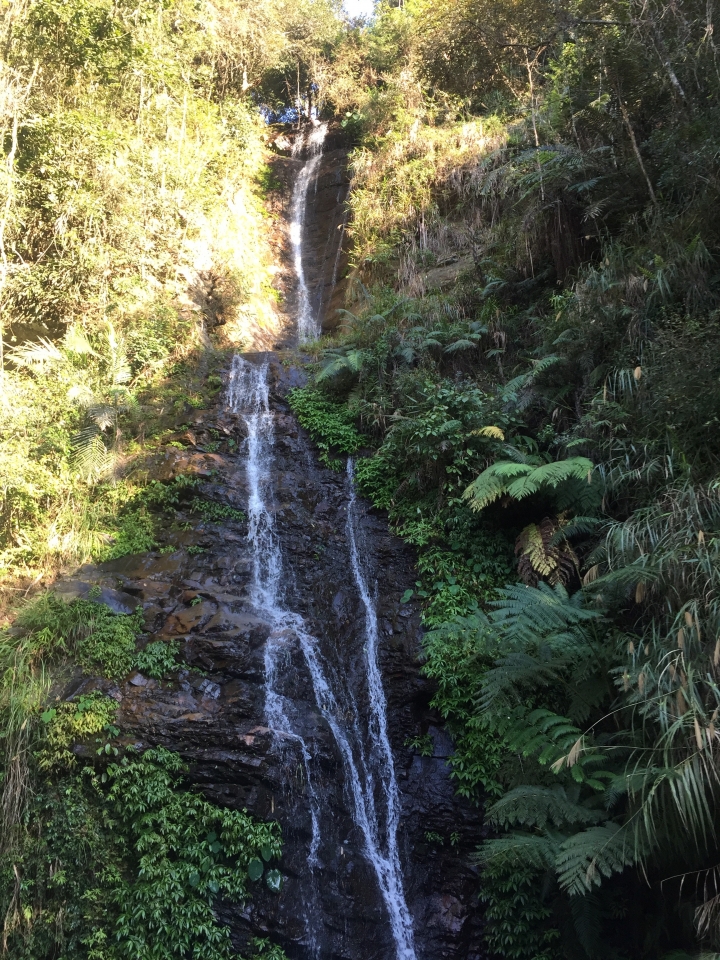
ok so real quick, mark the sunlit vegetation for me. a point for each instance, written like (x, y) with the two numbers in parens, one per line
(134, 249)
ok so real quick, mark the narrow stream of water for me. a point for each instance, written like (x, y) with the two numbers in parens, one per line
(313, 142)
(365, 749)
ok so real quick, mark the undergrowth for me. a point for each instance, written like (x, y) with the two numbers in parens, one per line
(124, 861)
(331, 425)
(104, 853)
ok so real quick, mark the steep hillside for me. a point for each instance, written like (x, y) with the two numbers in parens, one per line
(532, 349)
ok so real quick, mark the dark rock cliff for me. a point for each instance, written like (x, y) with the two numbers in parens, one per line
(214, 714)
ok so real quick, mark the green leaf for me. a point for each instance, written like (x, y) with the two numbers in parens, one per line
(48, 715)
(407, 596)
(255, 869)
(194, 879)
(274, 880)
(266, 852)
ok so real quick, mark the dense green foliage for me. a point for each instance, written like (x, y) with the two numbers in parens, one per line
(124, 862)
(532, 353)
(131, 229)
(104, 853)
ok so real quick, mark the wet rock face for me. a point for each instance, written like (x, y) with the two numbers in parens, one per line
(325, 249)
(214, 715)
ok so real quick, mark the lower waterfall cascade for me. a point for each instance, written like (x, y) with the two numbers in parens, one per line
(301, 691)
(367, 758)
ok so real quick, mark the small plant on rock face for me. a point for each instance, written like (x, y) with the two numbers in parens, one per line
(423, 743)
(331, 425)
(215, 512)
(159, 658)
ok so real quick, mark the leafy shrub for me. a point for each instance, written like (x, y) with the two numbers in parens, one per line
(84, 629)
(135, 534)
(158, 659)
(133, 863)
(211, 510)
(66, 723)
(330, 424)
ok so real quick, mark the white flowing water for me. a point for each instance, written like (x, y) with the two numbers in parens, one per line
(307, 323)
(367, 760)
(248, 396)
(382, 764)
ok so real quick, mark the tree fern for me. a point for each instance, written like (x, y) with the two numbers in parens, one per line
(540, 609)
(519, 481)
(584, 858)
(350, 362)
(539, 807)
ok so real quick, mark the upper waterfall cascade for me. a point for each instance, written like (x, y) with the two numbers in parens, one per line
(308, 324)
(365, 748)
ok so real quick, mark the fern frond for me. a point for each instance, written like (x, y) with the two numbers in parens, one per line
(574, 527)
(76, 341)
(40, 354)
(517, 850)
(103, 415)
(549, 475)
(90, 457)
(351, 362)
(540, 609)
(539, 555)
(520, 480)
(82, 394)
(459, 345)
(588, 918)
(584, 858)
(538, 807)
(494, 433)
(493, 483)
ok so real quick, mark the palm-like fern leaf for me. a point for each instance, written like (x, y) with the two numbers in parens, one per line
(538, 807)
(519, 850)
(584, 858)
(520, 480)
(39, 354)
(91, 457)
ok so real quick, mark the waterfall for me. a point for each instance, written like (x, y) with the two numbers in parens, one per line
(367, 759)
(248, 396)
(389, 869)
(307, 324)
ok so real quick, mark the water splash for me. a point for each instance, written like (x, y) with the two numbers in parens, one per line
(307, 324)
(369, 770)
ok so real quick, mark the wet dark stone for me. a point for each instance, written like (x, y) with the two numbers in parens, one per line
(118, 601)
